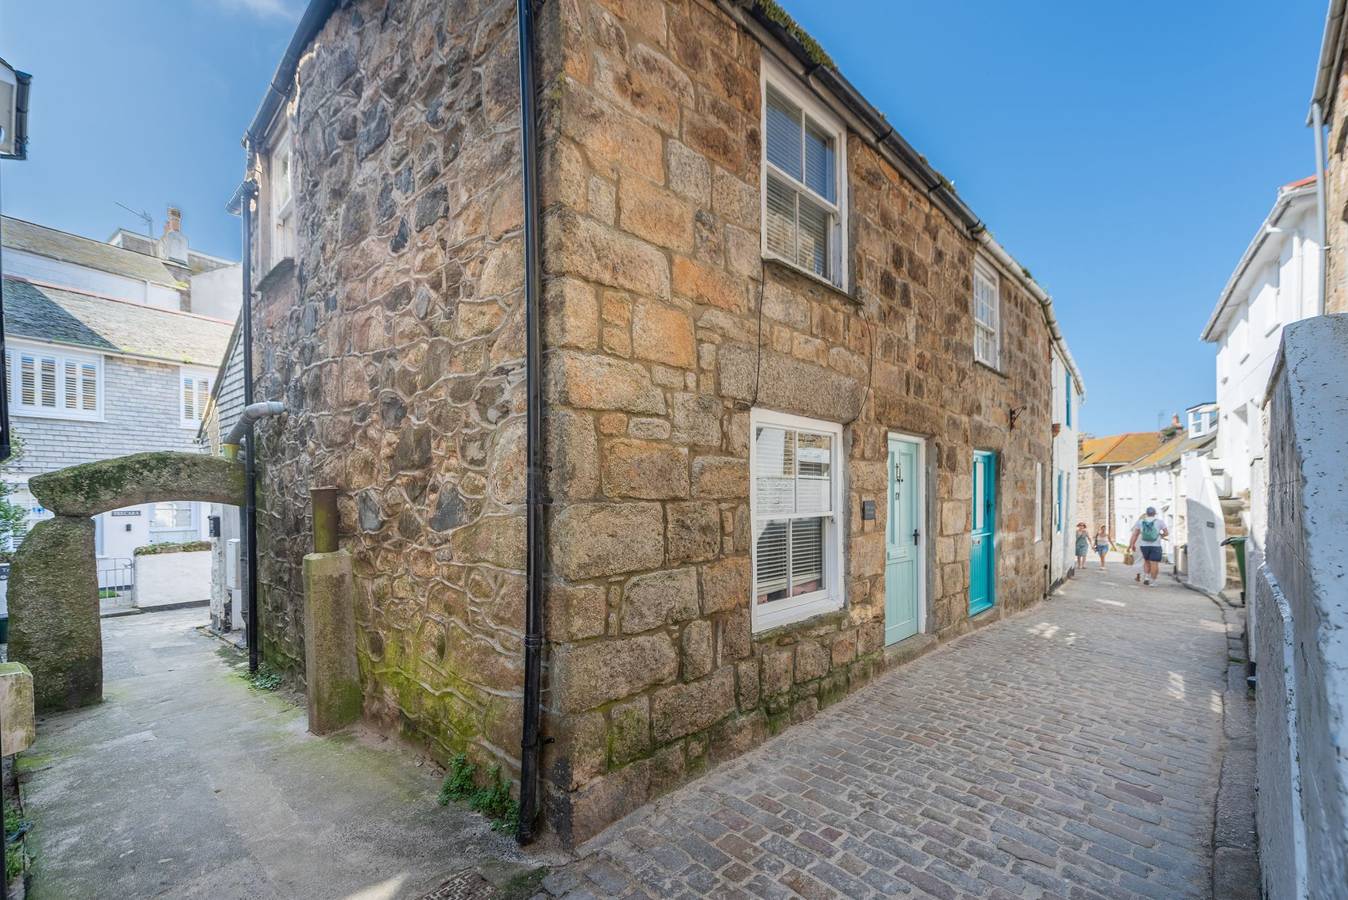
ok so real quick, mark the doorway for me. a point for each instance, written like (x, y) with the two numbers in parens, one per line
(905, 538)
(983, 534)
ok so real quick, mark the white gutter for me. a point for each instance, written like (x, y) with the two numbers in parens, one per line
(1008, 262)
(1330, 50)
(1322, 226)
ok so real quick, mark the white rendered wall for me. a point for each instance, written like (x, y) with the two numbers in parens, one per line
(1062, 558)
(1277, 289)
(1301, 715)
(218, 293)
(166, 579)
(91, 281)
(1206, 528)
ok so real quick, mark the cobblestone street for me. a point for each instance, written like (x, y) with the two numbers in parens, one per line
(1072, 751)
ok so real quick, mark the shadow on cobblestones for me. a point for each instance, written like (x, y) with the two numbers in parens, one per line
(1070, 751)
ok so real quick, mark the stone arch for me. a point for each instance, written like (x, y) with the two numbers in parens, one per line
(53, 584)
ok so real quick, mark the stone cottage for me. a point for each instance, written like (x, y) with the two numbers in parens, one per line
(796, 401)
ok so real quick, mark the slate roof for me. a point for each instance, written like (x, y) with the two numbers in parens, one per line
(83, 251)
(1169, 453)
(1118, 449)
(97, 323)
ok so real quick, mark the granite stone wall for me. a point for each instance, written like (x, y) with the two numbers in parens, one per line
(1336, 198)
(665, 327)
(395, 340)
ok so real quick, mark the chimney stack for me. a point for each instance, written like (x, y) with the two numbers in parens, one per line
(174, 221)
(172, 245)
(1174, 420)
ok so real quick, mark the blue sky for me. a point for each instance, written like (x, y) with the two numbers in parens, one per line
(1124, 154)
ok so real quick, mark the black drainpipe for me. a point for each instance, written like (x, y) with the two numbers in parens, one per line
(250, 472)
(533, 617)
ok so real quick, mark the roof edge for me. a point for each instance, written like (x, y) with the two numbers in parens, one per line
(1330, 49)
(315, 16)
(1284, 200)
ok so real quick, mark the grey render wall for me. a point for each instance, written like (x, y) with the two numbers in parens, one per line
(1301, 620)
(141, 413)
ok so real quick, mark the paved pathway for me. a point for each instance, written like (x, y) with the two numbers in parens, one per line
(1072, 751)
(186, 783)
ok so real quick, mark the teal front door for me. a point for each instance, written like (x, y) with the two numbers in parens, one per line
(983, 534)
(903, 540)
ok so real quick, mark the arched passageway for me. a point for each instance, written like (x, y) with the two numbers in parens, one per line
(53, 588)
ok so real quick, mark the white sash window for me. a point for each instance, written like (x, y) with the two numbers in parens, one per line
(987, 316)
(795, 499)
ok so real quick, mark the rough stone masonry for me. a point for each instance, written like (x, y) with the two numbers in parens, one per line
(396, 343)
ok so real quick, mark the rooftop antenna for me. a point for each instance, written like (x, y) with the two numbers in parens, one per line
(143, 216)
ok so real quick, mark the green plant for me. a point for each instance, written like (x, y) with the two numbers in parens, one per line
(493, 799)
(172, 547)
(264, 679)
(13, 518)
(461, 781)
(15, 827)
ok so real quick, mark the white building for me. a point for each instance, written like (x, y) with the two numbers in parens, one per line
(1273, 285)
(106, 356)
(1157, 480)
(1068, 395)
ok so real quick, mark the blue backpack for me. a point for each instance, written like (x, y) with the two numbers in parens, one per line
(1151, 530)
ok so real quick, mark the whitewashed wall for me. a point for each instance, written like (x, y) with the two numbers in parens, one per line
(1278, 288)
(1207, 529)
(1301, 715)
(172, 579)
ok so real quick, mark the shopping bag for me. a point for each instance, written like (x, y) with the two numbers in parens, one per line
(1128, 558)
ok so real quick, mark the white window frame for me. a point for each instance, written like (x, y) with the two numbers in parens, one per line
(832, 597)
(1038, 502)
(191, 517)
(195, 374)
(781, 80)
(17, 350)
(282, 202)
(984, 270)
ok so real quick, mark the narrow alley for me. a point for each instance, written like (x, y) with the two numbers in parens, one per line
(185, 782)
(1088, 768)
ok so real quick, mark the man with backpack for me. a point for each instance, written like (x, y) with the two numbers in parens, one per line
(1147, 535)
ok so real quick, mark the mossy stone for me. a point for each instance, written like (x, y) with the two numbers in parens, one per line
(97, 487)
(53, 609)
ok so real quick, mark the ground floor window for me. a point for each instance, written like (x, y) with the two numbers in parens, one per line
(795, 467)
(172, 516)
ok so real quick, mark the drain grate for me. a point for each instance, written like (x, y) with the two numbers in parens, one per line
(464, 885)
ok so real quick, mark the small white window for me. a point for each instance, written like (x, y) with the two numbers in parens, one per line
(54, 383)
(795, 502)
(282, 176)
(1038, 502)
(171, 516)
(804, 180)
(194, 389)
(987, 316)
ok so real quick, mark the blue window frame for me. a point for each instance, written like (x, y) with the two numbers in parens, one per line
(1067, 377)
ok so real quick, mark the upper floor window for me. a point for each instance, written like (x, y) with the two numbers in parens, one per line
(281, 177)
(194, 389)
(1067, 393)
(804, 173)
(987, 316)
(795, 505)
(54, 383)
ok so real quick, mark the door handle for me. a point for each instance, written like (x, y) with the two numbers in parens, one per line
(914, 537)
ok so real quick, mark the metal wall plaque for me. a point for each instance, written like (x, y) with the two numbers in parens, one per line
(125, 512)
(868, 510)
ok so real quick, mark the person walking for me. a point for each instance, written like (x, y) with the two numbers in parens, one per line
(1147, 536)
(1102, 544)
(1083, 546)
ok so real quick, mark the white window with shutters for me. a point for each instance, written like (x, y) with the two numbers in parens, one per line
(281, 187)
(194, 390)
(54, 383)
(804, 180)
(795, 465)
(987, 316)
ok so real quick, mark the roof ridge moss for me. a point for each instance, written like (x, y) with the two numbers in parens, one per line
(774, 11)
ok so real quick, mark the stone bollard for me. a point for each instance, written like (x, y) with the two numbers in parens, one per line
(330, 670)
(53, 609)
(17, 726)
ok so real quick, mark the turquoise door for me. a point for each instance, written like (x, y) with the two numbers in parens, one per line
(903, 540)
(983, 534)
